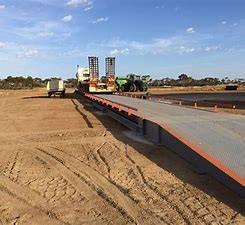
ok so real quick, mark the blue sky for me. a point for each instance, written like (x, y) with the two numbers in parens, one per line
(158, 37)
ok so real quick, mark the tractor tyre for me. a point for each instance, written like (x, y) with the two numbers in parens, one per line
(121, 88)
(141, 89)
(132, 88)
(62, 95)
(125, 88)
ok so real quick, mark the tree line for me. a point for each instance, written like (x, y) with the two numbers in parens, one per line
(184, 80)
(21, 82)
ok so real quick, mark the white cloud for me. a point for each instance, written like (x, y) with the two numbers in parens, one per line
(183, 49)
(155, 46)
(67, 18)
(46, 34)
(88, 8)
(207, 49)
(2, 7)
(100, 20)
(3, 45)
(73, 53)
(38, 31)
(125, 51)
(211, 48)
(190, 30)
(224, 22)
(116, 52)
(28, 53)
(183, 44)
(160, 7)
(41, 29)
(83, 3)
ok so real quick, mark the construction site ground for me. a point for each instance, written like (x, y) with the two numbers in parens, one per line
(64, 162)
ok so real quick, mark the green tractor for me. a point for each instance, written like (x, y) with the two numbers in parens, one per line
(132, 83)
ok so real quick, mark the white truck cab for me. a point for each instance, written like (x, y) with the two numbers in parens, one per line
(83, 74)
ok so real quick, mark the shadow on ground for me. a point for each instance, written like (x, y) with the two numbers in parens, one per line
(67, 96)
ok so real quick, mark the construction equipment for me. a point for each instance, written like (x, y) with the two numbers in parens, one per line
(88, 78)
(56, 86)
(132, 83)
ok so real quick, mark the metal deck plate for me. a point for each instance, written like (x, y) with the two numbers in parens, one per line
(220, 135)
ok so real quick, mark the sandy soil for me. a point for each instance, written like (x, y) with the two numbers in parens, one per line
(63, 162)
(194, 89)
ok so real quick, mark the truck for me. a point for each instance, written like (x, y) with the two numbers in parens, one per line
(88, 80)
(83, 77)
(56, 87)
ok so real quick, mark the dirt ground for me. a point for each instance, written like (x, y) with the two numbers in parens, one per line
(64, 162)
(194, 89)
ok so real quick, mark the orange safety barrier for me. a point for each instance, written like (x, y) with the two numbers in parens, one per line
(129, 112)
(215, 108)
(113, 105)
(119, 108)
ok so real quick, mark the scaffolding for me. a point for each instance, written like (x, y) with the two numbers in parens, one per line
(110, 67)
(93, 67)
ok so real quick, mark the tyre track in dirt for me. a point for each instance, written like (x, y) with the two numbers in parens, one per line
(95, 155)
(80, 204)
(86, 187)
(82, 130)
(6, 163)
(184, 201)
(162, 219)
(12, 143)
(106, 165)
(21, 213)
(28, 197)
(125, 191)
(49, 190)
(181, 198)
(12, 169)
(102, 187)
(173, 204)
(101, 160)
(143, 179)
(152, 192)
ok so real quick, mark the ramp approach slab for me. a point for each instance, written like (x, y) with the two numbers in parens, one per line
(213, 142)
